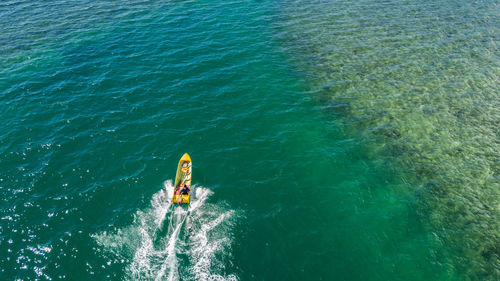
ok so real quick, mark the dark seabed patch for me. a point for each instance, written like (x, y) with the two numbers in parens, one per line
(417, 83)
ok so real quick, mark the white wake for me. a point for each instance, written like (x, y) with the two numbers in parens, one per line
(168, 242)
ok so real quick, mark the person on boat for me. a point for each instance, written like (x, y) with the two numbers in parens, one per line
(184, 190)
(178, 188)
(178, 192)
(185, 167)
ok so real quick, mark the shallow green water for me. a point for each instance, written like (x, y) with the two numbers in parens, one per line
(330, 140)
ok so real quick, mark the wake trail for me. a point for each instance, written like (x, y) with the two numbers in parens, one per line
(201, 235)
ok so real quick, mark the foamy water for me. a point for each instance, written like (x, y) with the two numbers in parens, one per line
(163, 233)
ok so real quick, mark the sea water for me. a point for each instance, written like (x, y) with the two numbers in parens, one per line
(331, 140)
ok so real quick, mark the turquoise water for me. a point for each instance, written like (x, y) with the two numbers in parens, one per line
(331, 140)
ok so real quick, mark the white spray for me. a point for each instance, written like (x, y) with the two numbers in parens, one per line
(153, 251)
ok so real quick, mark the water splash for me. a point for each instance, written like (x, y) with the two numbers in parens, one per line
(168, 242)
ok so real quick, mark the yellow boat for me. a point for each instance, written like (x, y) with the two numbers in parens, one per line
(182, 182)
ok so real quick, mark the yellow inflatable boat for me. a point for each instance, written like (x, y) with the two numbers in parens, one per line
(182, 184)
